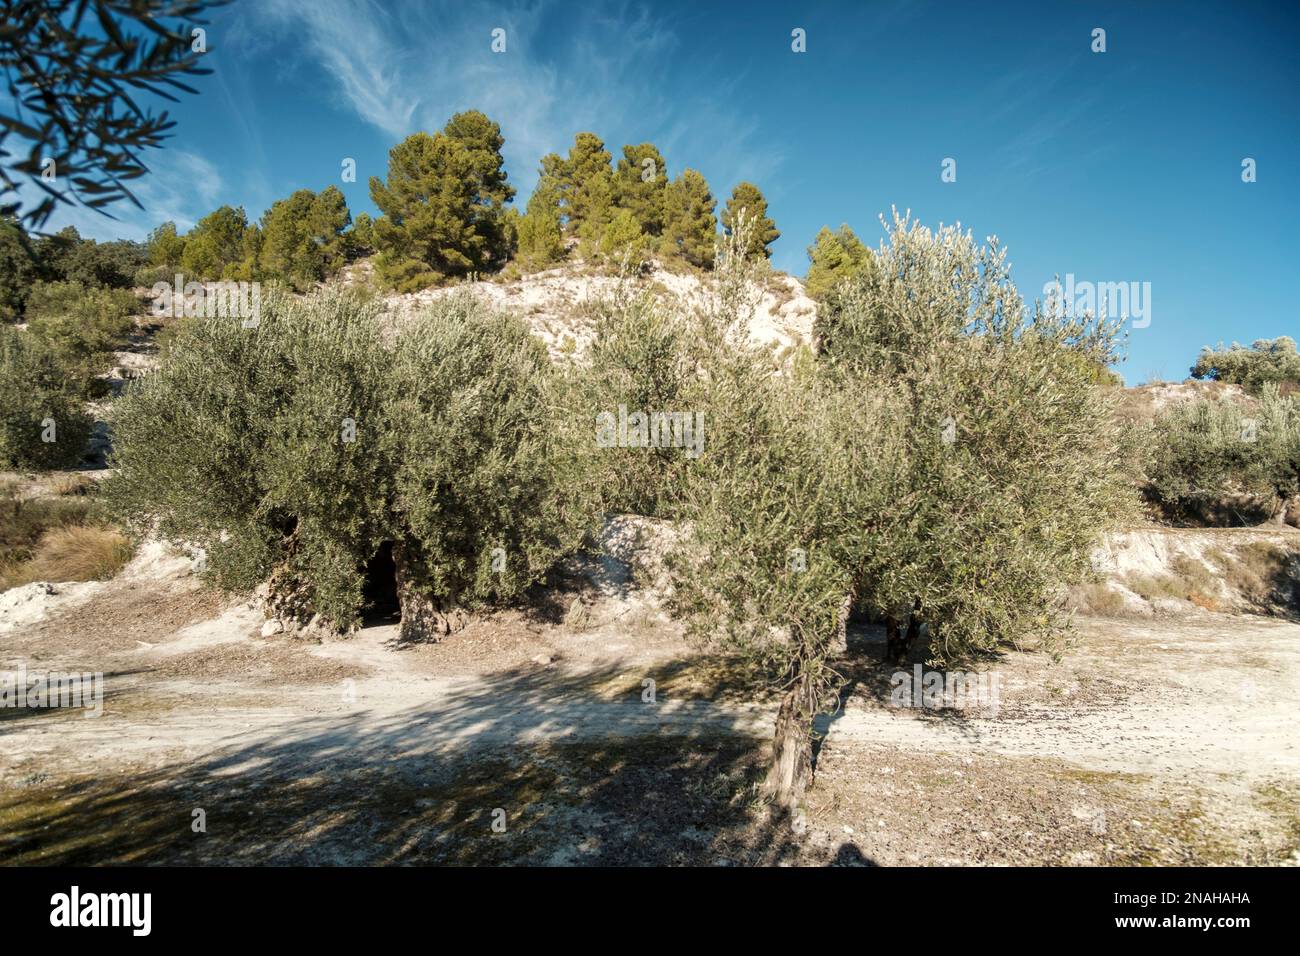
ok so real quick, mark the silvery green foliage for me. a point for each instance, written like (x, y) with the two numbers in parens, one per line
(950, 452)
(486, 456)
(292, 451)
(1204, 453)
(785, 473)
(641, 358)
(1015, 460)
(1265, 361)
(35, 390)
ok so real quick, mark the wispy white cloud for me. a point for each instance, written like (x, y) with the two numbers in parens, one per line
(408, 67)
(355, 42)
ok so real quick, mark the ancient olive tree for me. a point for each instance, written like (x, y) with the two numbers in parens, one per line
(781, 510)
(948, 463)
(296, 452)
(778, 508)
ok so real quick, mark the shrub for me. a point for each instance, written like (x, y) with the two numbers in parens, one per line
(1266, 361)
(80, 325)
(1210, 457)
(42, 422)
(294, 452)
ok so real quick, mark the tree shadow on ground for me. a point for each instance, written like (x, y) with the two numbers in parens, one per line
(526, 768)
(869, 677)
(108, 686)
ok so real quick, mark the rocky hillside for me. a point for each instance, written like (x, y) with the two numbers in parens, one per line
(555, 303)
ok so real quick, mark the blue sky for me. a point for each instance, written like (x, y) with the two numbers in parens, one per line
(1116, 166)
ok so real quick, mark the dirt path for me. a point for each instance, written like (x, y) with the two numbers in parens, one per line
(1203, 707)
(1216, 695)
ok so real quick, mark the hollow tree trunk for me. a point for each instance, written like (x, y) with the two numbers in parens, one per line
(899, 641)
(422, 617)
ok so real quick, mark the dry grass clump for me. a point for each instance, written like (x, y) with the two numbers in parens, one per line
(77, 553)
(71, 483)
(61, 538)
(1095, 598)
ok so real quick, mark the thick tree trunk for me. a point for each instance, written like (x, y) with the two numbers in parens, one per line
(422, 617)
(894, 652)
(791, 770)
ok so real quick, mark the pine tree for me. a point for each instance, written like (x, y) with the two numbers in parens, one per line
(215, 242)
(746, 198)
(639, 184)
(691, 229)
(483, 140)
(431, 227)
(552, 185)
(834, 257)
(165, 247)
(328, 219)
(623, 242)
(302, 237)
(361, 237)
(18, 269)
(587, 193)
(540, 239)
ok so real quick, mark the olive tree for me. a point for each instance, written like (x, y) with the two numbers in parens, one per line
(292, 452)
(949, 461)
(1017, 463)
(1206, 454)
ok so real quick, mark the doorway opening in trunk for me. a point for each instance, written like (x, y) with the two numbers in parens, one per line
(382, 605)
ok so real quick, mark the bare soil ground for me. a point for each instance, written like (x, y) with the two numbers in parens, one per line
(1164, 740)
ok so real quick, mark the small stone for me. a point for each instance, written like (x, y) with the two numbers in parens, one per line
(273, 626)
(543, 659)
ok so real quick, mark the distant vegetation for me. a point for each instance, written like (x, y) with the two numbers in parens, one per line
(1265, 362)
(1223, 462)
